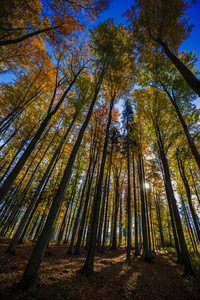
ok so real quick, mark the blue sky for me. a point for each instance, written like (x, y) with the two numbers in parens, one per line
(118, 7)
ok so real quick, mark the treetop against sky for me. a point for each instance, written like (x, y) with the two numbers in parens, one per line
(118, 7)
(116, 11)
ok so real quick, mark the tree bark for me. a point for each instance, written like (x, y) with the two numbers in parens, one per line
(184, 251)
(191, 142)
(29, 278)
(136, 253)
(21, 162)
(189, 77)
(88, 267)
(187, 188)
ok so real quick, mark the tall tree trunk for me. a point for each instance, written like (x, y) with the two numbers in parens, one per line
(195, 187)
(78, 212)
(147, 256)
(62, 228)
(120, 221)
(189, 77)
(159, 220)
(39, 192)
(190, 140)
(17, 153)
(14, 241)
(21, 162)
(72, 222)
(106, 213)
(128, 252)
(68, 223)
(99, 237)
(116, 207)
(29, 278)
(83, 218)
(170, 194)
(191, 233)
(88, 267)
(187, 188)
(136, 253)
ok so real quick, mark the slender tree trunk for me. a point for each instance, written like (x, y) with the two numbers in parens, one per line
(16, 154)
(26, 36)
(189, 77)
(195, 188)
(102, 213)
(21, 162)
(68, 223)
(62, 228)
(39, 192)
(14, 241)
(84, 213)
(170, 193)
(120, 221)
(187, 188)
(88, 267)
(191, 142)
(169, 231)
(29, 278)
(78, 214)
(191, 234)
(136, 253)
(115, 212)
(158, 213)
(128, 253)
(106, 214)
(72, 222)
(147, 256)
(34, 237)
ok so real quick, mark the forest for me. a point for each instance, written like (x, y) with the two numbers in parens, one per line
(99, 151)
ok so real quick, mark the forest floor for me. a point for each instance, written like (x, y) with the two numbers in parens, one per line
(113, 278)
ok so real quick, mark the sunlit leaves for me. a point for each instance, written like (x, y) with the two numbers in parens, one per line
(164, 20)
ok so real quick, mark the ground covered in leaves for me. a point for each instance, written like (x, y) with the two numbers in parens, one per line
(113, 278)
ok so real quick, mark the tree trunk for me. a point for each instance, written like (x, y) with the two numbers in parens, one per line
(21, 162)
(78, 213)
(195, 187)
(29, 278)
(106, 213)
(189, 77)
(187, 188)
(147, 256)
(170, 193)
(191, 234)
(136, 253)
(158, 214)
(102, 214)
(116, 207)
(191, 142)
(62, 228)
(88, 268)
(83, 218)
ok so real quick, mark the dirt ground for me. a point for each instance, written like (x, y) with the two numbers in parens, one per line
(113, 278)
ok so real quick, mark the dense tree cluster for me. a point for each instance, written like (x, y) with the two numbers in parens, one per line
(71, 170)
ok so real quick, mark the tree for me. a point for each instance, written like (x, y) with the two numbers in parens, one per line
(29, 278)
(159, 119)
(51, 111)
(163, 23)
(177, 90)
(127, 121)
(55, 19)
(110, 47)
